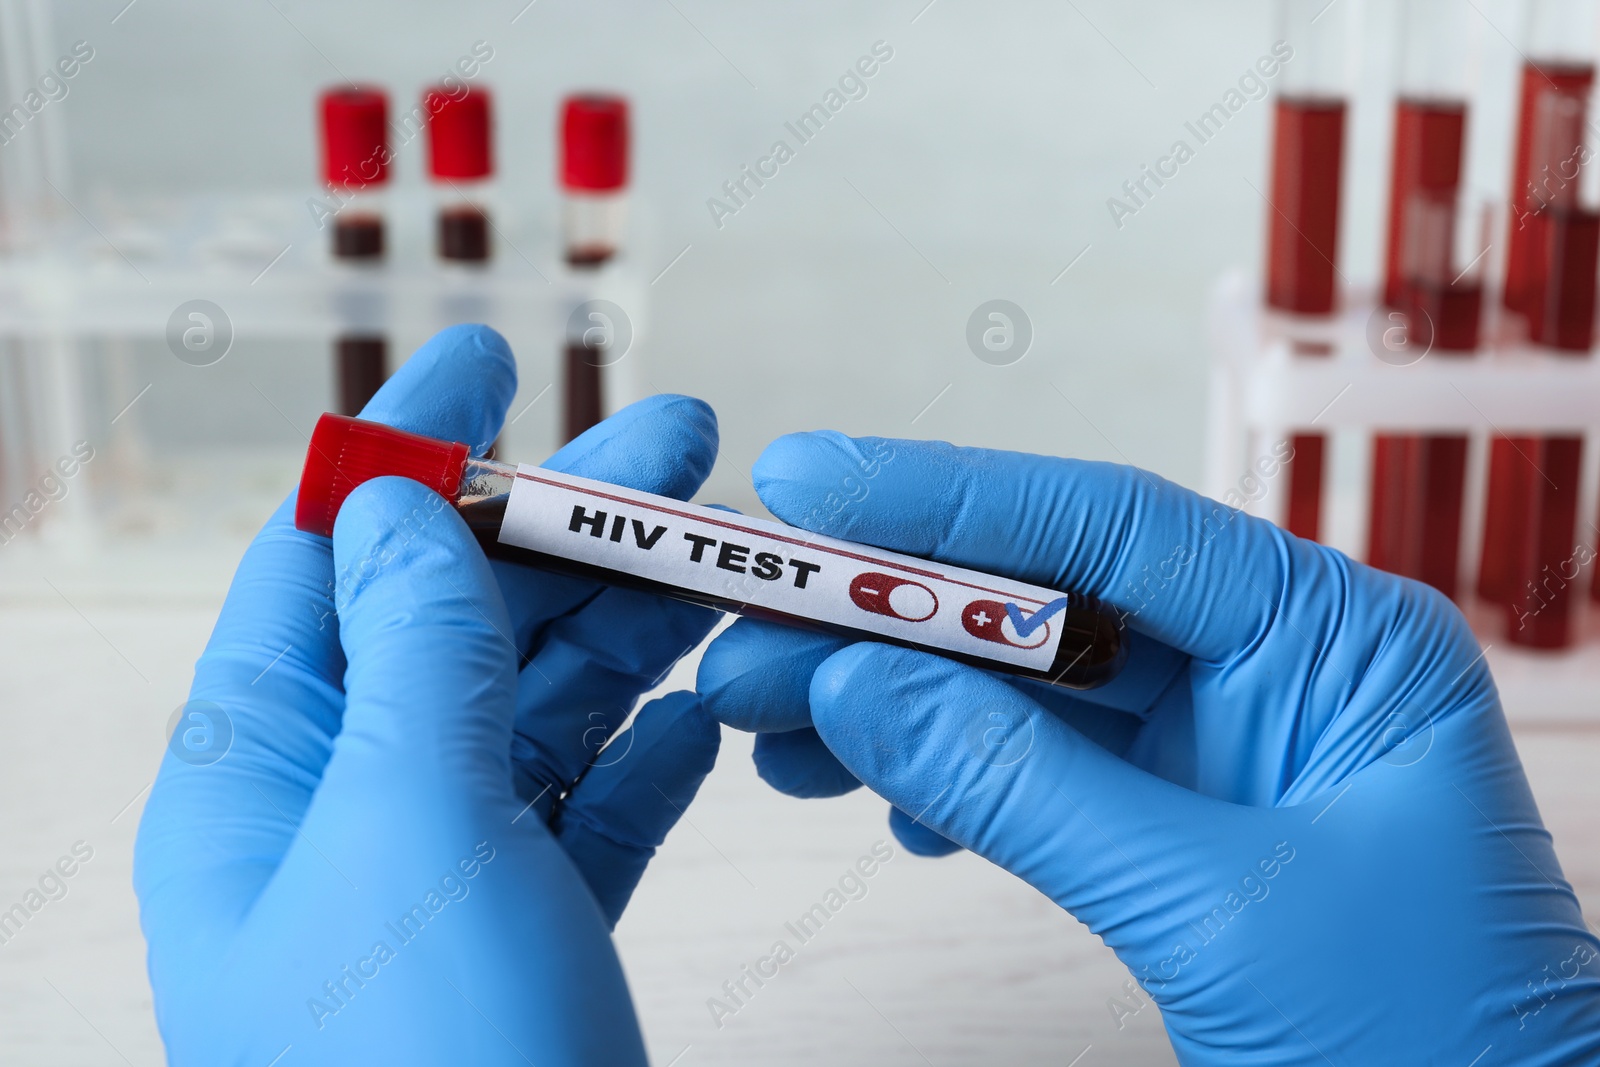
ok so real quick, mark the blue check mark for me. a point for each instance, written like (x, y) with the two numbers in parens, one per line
(1027, 624)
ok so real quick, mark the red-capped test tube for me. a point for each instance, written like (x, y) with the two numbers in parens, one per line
(1303, 211)
(1433, 277)
(723, 560)
(355, 167)
(594, 177)
(1535, 482)
(594, 180)
(461, 163)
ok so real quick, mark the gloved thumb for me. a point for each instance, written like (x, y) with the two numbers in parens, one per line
(431, 678)
(977, 761)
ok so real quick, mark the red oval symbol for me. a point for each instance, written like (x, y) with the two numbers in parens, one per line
(987, 621)
(898, 598)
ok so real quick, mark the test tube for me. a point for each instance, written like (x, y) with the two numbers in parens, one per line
(1303, 211)
(1430, 120)
(1539, 489)
(594, 178)
(355, 166)
(1419, 480)
(1559, 41)
(461, 163)
(1557, 78)
(1433, 275)
(701, 555)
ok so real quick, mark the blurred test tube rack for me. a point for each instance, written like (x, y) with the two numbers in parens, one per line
(1262, 393)
(78, 286)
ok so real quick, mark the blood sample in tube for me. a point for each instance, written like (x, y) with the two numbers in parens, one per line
(1550, 282)
(362, 361)
(1303, 515)
(1560, 304)
(1509, 468)
(461, 164)
(1561, 245)
(1302, 238)
(582, 364)
(1303, 196)
(1545, 568)
(1418, 487)
(355, 167)
(1418, 481)
(1303, 221)
(1539, 158)
(1426, 168)
(704, 556)
(1433, 277)
(1541, 507)
(594, 179)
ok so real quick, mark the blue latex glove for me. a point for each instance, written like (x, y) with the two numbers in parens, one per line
(376, 871)
(1297, 817)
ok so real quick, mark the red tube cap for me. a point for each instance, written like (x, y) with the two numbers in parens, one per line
(355, 137)
(345, 452)
(459, 144)
(594, 142)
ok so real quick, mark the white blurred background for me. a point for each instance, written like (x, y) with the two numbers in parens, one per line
(978, 166)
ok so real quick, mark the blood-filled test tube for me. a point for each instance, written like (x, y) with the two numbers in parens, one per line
(1539, 487)
(1430, 120)
(1418, 481)
(594, 180)
(1559, 69)
(594, 177)
(1557, 81)
(1544, 491)
(723, 560)
(461, 163)
(1560, 236)
(1433, 277)
(355, 167)
(584, 358)
(1303, 212)
(1307, 154)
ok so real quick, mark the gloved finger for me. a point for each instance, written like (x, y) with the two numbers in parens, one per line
(269, 682)
(622, 809)
(277, 634)
(593, 649)
(590, 668)
(431, 683)
(1094, 833)
(919, 839)
(456, 387)
(756, 676)
(662, 444)
(1189, 572)
(798, 764)
(420, 779)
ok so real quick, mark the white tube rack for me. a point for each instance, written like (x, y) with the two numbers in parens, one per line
(1261, 391)
(120, 271)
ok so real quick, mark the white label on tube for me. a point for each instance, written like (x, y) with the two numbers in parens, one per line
(782, 568)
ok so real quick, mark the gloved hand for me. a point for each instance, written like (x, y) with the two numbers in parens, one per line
(1297, 817)
(375, 870)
